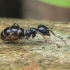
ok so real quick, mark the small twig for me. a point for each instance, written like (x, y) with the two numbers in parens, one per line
(28, 26)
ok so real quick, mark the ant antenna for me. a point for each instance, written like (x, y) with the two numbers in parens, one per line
(57, 23)
(58, 37)
(51, 25)
(61, 22)
(53, 32)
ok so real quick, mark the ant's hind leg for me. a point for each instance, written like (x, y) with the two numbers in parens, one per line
(6, 39)
(46, 40)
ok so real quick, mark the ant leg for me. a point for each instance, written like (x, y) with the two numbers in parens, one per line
(8, 36)
(24, 39)
(46, 40)
(58, 37)
(51, 25)
(40, 33)
(15, 24)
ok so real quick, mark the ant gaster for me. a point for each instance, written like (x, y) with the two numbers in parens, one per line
(12, 33)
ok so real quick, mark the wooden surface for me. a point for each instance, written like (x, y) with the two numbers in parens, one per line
(36, 54)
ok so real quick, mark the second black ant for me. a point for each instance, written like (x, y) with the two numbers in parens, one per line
(12, 33)
(42, 30)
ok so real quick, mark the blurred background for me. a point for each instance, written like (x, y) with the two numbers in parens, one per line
(33, 9)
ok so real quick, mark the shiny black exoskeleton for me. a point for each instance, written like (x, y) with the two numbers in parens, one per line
(12, 33)
(31, 31)
(42, 29)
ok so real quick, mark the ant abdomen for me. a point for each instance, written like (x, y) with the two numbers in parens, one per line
(12, 33)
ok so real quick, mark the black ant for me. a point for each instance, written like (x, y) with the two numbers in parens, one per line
(16, 32)
(43, 30)
(12, 33)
